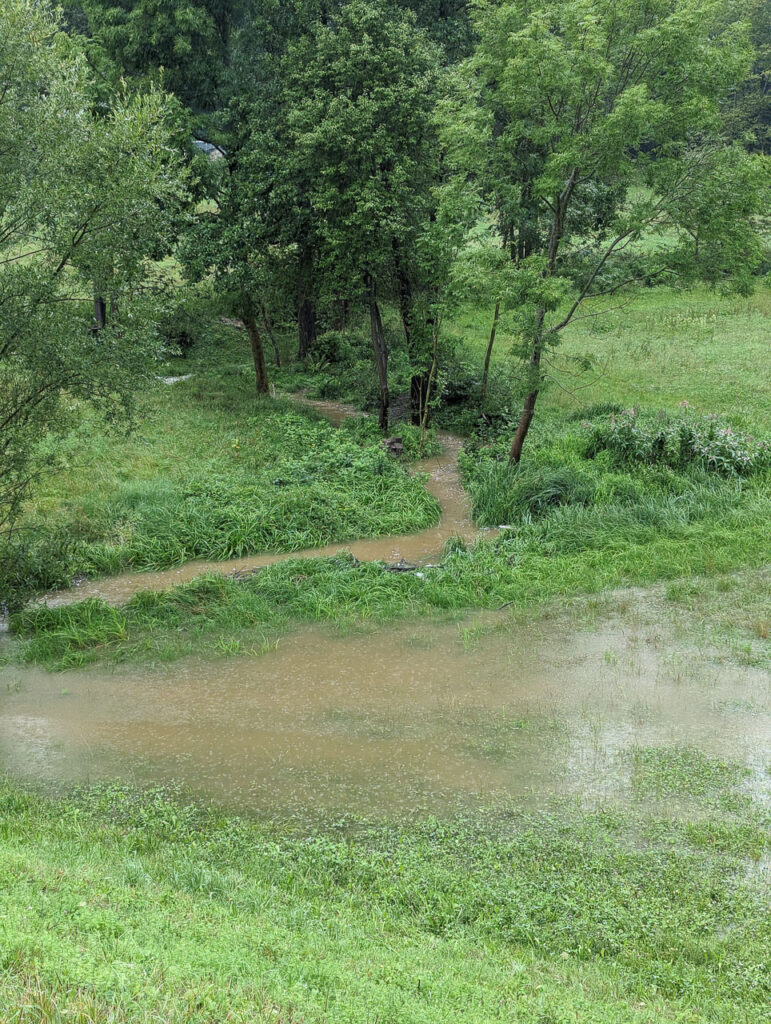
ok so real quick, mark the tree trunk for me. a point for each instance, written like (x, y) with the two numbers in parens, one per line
(381, 357)
(100, 313)
(419, 387)
(560, 207)
(522, 427)
(489, 352)
(306, 307)
(269, 330)
(528, 409)
(258, 354)
(419, 381)
(340, 319)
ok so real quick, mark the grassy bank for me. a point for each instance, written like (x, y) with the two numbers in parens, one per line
(118, 906)
(616, 502)
(599, 502)
(221, 615)
(211, 472)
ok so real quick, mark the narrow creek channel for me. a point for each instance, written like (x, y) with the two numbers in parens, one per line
(421, 717)
(442, 482)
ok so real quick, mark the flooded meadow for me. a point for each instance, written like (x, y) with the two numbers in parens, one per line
(430, 717)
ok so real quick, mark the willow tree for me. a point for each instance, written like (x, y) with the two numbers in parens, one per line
(594, 123)
(83, 200)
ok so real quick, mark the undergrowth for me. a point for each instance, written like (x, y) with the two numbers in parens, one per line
(126, 906)
(266, 476)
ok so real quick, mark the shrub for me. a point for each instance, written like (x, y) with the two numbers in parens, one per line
(678, 441)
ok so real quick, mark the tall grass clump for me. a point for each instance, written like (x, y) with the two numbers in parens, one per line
(73, 634)
(506, 494)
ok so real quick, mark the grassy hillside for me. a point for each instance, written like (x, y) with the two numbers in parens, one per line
(124, 907)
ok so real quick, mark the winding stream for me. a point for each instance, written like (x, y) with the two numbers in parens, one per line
(442, 482)
(426, 716)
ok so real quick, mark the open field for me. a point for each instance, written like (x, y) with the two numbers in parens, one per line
(664, 347)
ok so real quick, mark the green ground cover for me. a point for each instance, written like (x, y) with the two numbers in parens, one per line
(215, 473)
(211, 472)
(119, 906)
(664, 347)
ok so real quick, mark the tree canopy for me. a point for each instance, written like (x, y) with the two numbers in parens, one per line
(588, 126)
(84, 199)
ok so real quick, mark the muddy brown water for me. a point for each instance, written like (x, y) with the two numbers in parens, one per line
(426, 716)
(442, 482)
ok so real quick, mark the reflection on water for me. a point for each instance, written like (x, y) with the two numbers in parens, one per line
(428, 717)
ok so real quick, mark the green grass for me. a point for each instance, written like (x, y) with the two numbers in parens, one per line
(118, 906)
(214, 473)
(664, 347)
(575, 524)
(663, 771)
(217, 614)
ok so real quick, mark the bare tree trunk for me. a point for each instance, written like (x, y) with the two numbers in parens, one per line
(489, 352)
(429, 382)
(340, 321)
(419, 392)
(269, 330)
(523, 426)
(528, 408)
(100, 313)
(306, 307)
(380, 351)
(258, 354)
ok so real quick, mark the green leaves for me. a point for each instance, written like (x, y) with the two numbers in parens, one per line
(83, 201)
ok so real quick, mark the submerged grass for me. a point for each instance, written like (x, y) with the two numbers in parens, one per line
(136, 907)
(122, 906)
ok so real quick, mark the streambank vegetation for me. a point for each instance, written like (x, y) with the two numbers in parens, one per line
(519, 249)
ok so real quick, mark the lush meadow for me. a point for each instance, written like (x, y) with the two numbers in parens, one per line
(120, 907)
(612, 492)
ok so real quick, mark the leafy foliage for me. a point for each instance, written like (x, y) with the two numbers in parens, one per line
(562, 112)
(680, 441)
(83, 201)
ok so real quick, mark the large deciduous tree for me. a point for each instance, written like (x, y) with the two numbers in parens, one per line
(83, 201)
(187, 42)
(360, 91)
(594, 123)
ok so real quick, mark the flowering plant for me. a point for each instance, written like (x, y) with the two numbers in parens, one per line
(687, 438)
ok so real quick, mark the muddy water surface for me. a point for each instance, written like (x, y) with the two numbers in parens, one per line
(432, 717)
